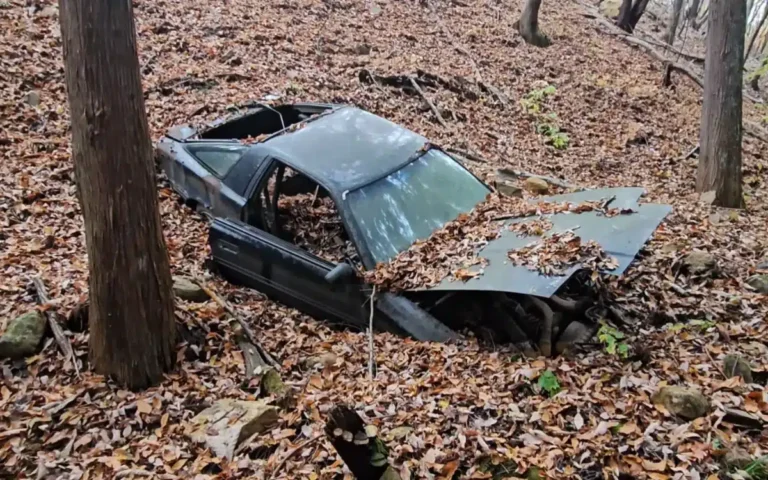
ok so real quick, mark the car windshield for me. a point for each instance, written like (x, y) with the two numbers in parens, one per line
(413, 202)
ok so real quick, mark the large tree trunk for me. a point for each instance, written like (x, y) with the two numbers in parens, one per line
(528, 25)
(630, 14)
(721, 125)
(131, 320)
(756, 32)
(674, 20)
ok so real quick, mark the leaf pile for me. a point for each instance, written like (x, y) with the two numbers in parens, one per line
(439, 408)
(555, 254)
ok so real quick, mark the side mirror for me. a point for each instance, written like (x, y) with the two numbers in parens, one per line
(340, 272)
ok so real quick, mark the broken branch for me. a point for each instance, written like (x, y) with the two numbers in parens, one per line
(431, 105)
(51, 315)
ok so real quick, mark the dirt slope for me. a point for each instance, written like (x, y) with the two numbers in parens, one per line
(465, 402)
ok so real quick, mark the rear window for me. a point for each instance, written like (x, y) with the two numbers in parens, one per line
(218, 158)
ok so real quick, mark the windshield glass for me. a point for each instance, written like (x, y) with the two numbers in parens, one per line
(413, 202)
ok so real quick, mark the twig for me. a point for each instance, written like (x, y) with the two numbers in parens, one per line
(432, 106)
(715, 364)
(128, 472)
(692, 152)
(370, 337)
(314, 197)
(292, 453)
(58, 333)
(246, 328)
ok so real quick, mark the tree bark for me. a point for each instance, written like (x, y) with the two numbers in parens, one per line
(756, 33)
(721, 122)
(132, 327)
(630, 14)
(674, 20)
(693, 11)
(528, 25)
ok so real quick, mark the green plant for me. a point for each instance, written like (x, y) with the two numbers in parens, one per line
(555, 137)
(546, 123)
(548, 382)
(612, 340)
(532, 101)
(757, 469)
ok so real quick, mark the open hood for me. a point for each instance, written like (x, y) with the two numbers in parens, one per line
(621, 236)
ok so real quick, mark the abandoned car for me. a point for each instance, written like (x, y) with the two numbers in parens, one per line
(303, 197)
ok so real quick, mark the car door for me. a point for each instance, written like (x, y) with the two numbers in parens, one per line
(257, 259)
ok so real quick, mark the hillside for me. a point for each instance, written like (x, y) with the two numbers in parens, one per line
(468, 404)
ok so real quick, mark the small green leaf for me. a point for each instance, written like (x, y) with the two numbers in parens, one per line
(548, 382)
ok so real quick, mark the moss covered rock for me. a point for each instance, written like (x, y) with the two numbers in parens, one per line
(23, 335)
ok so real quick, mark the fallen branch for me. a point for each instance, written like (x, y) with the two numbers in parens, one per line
(739, 417)
(51, 315)
(466, 155)
(522, 174)
(370, 337)
(432, 106)
(246, 328)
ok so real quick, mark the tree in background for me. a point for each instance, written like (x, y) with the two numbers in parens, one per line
(630, 14)
(528, 25)
(756, 31)
(674, 20)
(132, 327)
(692, 13)
(721, 123)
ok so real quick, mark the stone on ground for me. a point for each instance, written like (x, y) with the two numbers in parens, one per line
(736, 366)
(23, 335)
(759, 283)
(610, 8)
(227, 423)
(687, 403)
(323, 361)
(536, 185)
(33, 98)
(186, 289)
(698, 262)
(737, 458)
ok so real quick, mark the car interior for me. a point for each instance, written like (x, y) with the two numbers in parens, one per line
(296, 209)
(264, 120)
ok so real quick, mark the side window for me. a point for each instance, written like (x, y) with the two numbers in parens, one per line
(296, 209)
(218, 158)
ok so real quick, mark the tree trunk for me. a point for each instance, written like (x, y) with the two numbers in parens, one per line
(693, 11)
(697, 24)
(132, 327)
(756, 33)
(721, 122)
(630, 14)
(528, 25)
(674, 20)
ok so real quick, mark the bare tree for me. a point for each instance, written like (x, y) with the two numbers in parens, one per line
(528, 25)
(756, 32)
(630, 14)
(674, 20)
(721, 123)
(131, 321)
(693, 11)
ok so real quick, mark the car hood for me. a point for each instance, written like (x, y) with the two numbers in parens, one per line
(621, 236)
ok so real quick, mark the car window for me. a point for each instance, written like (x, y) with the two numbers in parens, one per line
(304, 214)
(218, 158)
(413, 202)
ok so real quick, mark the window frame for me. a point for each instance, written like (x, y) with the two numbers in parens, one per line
(190, 149)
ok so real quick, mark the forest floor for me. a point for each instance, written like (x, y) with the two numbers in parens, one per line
(439, 407)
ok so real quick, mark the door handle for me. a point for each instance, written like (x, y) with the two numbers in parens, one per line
(229, 247)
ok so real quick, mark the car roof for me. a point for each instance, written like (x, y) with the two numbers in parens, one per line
(346, 149)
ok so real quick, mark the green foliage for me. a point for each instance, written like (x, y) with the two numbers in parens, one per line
(757, 469)
(546, 123)
(612, 341)
(548, 382)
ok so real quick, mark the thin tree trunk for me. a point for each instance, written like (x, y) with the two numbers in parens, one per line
(674, 20)
(528, 25)
(756, 33)
(697, 24)
(693, 11)
(131, 320)
(721, 122)
(638, 9)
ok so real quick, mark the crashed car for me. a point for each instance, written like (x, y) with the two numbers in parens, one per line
(303, 197)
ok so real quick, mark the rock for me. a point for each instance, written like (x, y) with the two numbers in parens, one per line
(32, 99)
(684, 402)
(698, 262)
(186, 289)
(49, 11)
(23, 335)
(225, 424)
(272, 383)
(362, 49)
(509, 189)
(759, 283)
(736, 366)
(637, 133)
(610, 8)
(537, 185)
(708, 197)
(737, 458)
(323, 361)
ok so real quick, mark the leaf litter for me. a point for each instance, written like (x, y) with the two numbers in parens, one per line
(441, 408)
